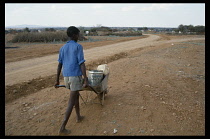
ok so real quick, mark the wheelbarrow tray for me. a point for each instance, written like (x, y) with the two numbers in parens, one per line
(101, 87)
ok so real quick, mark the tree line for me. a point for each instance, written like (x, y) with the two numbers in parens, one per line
(51, 35)
(191, 28)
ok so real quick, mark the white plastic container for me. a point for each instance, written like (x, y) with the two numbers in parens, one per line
(104, 68)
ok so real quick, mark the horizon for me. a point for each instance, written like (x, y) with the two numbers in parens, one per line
(39, 26)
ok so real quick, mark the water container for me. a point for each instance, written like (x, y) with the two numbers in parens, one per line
(95, 77)
(104, 68)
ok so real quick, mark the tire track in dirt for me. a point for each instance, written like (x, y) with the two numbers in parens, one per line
(25, 70)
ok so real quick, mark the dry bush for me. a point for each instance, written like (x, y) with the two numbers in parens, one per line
(127, 33)
(40, 37)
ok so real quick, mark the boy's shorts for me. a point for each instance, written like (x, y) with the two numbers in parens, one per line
(74, 83)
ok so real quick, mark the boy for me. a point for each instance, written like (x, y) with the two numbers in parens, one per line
(71, 58)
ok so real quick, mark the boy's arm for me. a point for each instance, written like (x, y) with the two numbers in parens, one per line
(83, 68)
(58, 74)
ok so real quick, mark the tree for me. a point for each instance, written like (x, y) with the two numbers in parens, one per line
(50, 29)
(93, 29)
(181, 28)
(140, 29)
(145, 28)
(131, 29)
(199, 29)
(191, 28)
(12, 31)
(26, 30)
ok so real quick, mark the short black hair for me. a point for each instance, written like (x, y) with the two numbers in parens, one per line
(72, 30)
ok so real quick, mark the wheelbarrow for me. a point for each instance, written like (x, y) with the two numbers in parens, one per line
(100, 89)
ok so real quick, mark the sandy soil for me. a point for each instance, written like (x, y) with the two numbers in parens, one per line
(154, 90)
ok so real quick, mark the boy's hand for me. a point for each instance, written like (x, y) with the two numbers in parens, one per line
(85, 84)
(56, 83)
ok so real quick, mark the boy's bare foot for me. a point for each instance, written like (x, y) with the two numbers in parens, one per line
(80, 119)
(64, 132)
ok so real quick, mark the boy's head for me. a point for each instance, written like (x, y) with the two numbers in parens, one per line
(73, 33)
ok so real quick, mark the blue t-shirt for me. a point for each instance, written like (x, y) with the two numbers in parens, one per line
(71, 56)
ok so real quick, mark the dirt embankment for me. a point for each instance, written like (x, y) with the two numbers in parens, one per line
(155, 90)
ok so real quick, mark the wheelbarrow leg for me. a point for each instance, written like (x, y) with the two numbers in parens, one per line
(82, 98)
(103, 98)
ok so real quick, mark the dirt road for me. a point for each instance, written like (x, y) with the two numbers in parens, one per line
(158, 90)
(42, 66)
(25, 70)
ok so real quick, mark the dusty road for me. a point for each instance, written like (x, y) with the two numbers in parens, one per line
(25, 70)
(42, 66)
(156, 90)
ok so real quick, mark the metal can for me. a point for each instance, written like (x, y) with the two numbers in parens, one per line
(95, 77)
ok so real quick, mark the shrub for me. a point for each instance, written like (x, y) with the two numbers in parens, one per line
(40, 37)
(43, 37)
(126, 33)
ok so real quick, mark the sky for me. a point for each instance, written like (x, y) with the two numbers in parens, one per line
(105, 14)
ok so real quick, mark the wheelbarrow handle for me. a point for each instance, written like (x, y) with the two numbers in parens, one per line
(91, 88)
(60, 85)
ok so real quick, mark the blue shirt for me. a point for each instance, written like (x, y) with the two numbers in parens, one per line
(71, 56)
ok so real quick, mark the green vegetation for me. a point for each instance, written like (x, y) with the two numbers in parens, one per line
(190, 28)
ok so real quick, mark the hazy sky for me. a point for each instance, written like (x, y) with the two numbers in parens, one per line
(106, 14)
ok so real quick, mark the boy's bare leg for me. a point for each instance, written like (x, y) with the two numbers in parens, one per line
(77, 109)
(71, 103)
